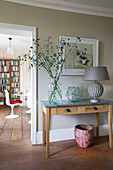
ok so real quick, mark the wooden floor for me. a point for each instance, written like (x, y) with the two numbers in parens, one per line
(65, 155)
(17, 153)
(14, 129)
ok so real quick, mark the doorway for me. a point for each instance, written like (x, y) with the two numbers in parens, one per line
(19, 31)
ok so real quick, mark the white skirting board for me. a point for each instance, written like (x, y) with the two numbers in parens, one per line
(67, 134)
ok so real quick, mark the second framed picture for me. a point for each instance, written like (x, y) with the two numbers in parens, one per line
(83, 55)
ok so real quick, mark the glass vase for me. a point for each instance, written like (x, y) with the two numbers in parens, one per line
(55, 92)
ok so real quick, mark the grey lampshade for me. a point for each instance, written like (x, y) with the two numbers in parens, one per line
(96, 73)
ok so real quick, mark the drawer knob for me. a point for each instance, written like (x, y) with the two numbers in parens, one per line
(67, 110)
(94, 108)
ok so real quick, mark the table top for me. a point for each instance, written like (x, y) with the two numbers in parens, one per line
(20, 94)
(82, 102)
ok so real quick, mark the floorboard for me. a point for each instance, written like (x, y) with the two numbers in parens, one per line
(17, 130)
(64, 155)
(7, 130)
(14, 129)
(26, 125)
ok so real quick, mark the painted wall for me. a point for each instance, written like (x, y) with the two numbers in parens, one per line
(58, 23)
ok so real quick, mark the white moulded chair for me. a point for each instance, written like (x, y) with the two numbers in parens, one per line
(29, 103)
(12, 104)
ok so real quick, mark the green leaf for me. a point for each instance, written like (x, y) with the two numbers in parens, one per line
(54, 54)
(47, 58)
(57, 67)
(56, 46)
(51, 64)
(54, 60)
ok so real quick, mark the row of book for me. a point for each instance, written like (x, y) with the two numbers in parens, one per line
(15, 79)
(14, 68)
(4, 88)
(4, 75)
(7, 63)
(14, 63)
(14, 74)
(4, 81)
(2, 94)
(4, 63)
(14, 90)
(15, 84)
(4, 68)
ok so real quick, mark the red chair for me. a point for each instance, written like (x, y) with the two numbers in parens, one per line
(12, 104)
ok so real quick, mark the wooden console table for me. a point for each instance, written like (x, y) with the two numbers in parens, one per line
(81, 107)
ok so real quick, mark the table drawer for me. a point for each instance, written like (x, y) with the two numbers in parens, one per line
(79, 109)
(63, 110)
(93, 108)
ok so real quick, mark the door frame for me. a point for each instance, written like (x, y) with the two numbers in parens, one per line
(34, 109)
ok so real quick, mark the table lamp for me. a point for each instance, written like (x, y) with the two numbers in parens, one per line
(96, 73)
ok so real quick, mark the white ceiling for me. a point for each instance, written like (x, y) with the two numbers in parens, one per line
(17, 42)
(93, 7)
(21, 40)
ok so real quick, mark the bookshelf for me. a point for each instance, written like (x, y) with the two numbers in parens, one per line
(9, 78)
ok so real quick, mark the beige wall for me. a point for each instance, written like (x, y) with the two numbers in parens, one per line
(57, 23)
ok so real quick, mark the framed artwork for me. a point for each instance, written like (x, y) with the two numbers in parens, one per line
(83, 55)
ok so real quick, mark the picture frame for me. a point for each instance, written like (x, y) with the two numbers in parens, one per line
(85, 55)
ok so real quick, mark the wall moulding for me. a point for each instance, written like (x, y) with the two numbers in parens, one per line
(62, 5)
(68, 134)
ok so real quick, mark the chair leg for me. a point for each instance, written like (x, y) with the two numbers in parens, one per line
(12, 110)
(28, 111)
(12, 116)
(29, 122)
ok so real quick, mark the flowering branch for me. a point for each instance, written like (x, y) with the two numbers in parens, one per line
(50, 56)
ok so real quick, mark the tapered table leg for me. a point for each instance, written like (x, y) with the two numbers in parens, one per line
(110, 126)
(97, 124)
(47, 131)
(43, 126)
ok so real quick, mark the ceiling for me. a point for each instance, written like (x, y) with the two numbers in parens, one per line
(21, 40)
(93, 7)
